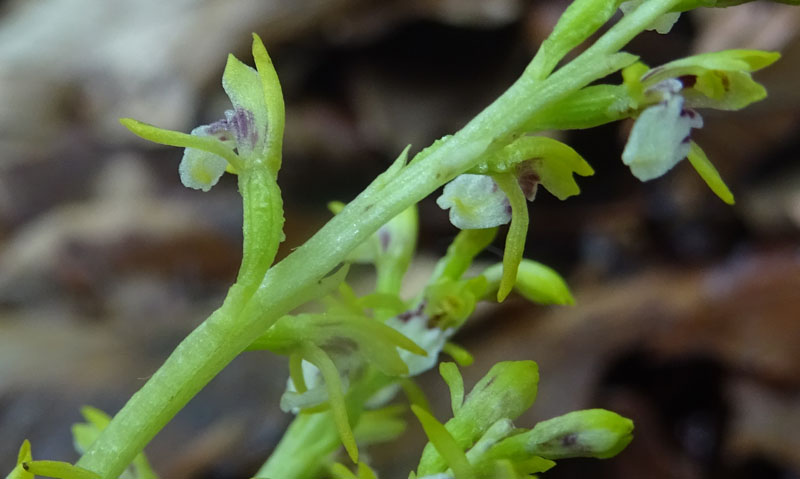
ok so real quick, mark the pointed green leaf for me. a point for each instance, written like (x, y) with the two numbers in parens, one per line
(441, 439)
(709, 174)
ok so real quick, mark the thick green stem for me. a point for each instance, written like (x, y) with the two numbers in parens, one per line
(242, 318)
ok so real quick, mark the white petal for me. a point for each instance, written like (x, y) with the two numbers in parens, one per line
(475, 202)
(660, 138)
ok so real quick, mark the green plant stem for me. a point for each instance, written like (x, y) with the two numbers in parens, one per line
(241, 318)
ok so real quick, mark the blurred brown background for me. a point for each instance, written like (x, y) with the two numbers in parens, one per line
(688, 315)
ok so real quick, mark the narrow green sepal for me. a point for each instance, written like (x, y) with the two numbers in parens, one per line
(517, 232)
(461, 356)
(185, 140)
(445, 444)
(243, 86)
(720, 80)
(455, 383)
(24, 456)
(273, 99)
(60, 470)
(709, 173)
(336, 398)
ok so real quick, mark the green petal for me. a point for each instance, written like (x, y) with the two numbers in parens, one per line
(273, 99)
(517, 233)
(24, 457)
(185, 140)
(365, 472)
(340, 471)
(461, 356)
(60, 470)
(709, 174)
(452, 376)
(551, 160)
(243, 86)
(718, 80)
(445, 444)
(724, 90)
(726, 60)
(336, 398)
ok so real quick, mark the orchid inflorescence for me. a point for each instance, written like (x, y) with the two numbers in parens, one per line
(350, 358)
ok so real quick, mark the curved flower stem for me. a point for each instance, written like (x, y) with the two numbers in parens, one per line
(242, 318)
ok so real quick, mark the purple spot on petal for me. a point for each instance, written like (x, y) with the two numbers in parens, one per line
(686, 139)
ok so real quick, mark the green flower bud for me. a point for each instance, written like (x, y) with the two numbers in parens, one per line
(589, 433)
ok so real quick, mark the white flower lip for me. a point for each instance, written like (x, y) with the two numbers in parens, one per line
(475, 202)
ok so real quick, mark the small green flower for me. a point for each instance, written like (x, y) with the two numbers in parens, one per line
(661, 136)
(249, 134)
